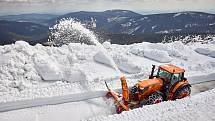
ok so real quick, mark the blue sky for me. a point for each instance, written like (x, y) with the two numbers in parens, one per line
(140, 6)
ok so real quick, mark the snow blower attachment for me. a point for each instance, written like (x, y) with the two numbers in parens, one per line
(121, 104)
(167, 84)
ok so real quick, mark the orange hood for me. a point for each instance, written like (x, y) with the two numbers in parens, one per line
(150, 82)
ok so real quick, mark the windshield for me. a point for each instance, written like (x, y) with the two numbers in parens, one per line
(164, 74)
(169, 76)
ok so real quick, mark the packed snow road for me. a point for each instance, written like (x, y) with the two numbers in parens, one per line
(50, 100)
(101, 107)
(201, 87)
(73, 111)
(196, 88)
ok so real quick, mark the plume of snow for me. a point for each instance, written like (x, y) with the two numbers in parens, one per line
(68, 30)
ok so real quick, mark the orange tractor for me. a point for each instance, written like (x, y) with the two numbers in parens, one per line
(168, 83)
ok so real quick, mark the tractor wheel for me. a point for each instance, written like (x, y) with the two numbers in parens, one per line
(154, 98)
(182, 92)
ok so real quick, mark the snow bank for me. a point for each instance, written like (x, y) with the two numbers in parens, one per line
(122, 63)
(47, 68)
(24, 67)
(126, 65)
(4, 60)
(154, 54)
(196, 108)
(16, 69)
(213, 42)
(157, 55)
(74, 76)
(48, 63)
(203, 51)
(212, 54)
(206, 51)
(50, 70)
(100, 57)
(162, 53)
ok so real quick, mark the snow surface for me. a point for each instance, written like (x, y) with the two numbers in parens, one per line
(116, 19)
(212, 54)
(32, 72)
(29, 72)
(196, 108)
(206, 51)
(73, 111)
(47, 76)
(200, 107)
(203, 51)
(157, 55)
(101, 58)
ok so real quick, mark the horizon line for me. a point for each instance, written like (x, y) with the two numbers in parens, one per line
(139, 12)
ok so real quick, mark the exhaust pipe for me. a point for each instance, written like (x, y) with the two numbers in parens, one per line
(152, 72)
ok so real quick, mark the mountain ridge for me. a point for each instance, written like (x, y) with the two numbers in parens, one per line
(10, 31)
(114, 25)
(128, 22)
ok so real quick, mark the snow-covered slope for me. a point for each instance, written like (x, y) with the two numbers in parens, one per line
(200, 107)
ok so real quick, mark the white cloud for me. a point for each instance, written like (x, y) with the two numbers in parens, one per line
(28, 1)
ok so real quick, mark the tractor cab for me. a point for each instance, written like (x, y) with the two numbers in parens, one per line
(170, 73)
(174, 81)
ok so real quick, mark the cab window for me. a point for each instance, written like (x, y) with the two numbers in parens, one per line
(177, 77)
(164, 74)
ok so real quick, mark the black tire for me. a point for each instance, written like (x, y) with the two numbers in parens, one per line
(182, 92)
(154, 98)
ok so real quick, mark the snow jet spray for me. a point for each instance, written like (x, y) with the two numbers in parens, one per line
(69, 30)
